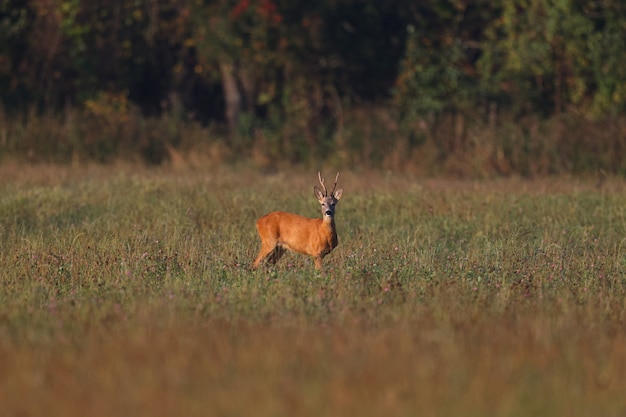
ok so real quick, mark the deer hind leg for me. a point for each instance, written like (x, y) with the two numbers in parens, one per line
(267, 248)
(276, 254)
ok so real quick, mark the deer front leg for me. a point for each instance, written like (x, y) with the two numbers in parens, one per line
(318, 262)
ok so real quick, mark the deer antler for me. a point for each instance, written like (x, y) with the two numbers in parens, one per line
(322, 183)
(335, 186)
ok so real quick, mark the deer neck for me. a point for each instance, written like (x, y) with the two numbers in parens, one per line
(328, 223)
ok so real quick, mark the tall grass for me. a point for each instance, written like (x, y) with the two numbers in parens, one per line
(374, 137)
(127, 291)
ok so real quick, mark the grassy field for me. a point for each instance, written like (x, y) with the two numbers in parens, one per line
(127, 292)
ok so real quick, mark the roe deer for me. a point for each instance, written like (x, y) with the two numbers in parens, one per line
(280, 231)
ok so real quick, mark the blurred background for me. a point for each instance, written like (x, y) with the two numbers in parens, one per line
(442, 87)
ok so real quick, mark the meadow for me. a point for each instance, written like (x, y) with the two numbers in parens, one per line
(127, 291)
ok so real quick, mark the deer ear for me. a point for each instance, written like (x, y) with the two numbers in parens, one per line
(338, 193)
(318, 193)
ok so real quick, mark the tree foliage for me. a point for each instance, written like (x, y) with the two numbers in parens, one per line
(542, 55)
(292, 67)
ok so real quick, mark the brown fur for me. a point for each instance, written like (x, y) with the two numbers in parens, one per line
(280, 231)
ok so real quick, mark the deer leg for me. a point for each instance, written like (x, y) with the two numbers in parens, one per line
(278, 252)
(266, 249)
(318, 262)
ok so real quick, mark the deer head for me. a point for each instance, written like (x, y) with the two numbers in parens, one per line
(328, 202)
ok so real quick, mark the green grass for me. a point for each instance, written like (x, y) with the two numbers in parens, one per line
(127, 291)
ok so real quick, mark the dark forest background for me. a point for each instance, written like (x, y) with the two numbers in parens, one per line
(457, 87)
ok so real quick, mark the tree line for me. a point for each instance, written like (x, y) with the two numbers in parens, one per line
(297, 75)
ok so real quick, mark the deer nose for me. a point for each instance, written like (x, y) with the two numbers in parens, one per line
(329, 213)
